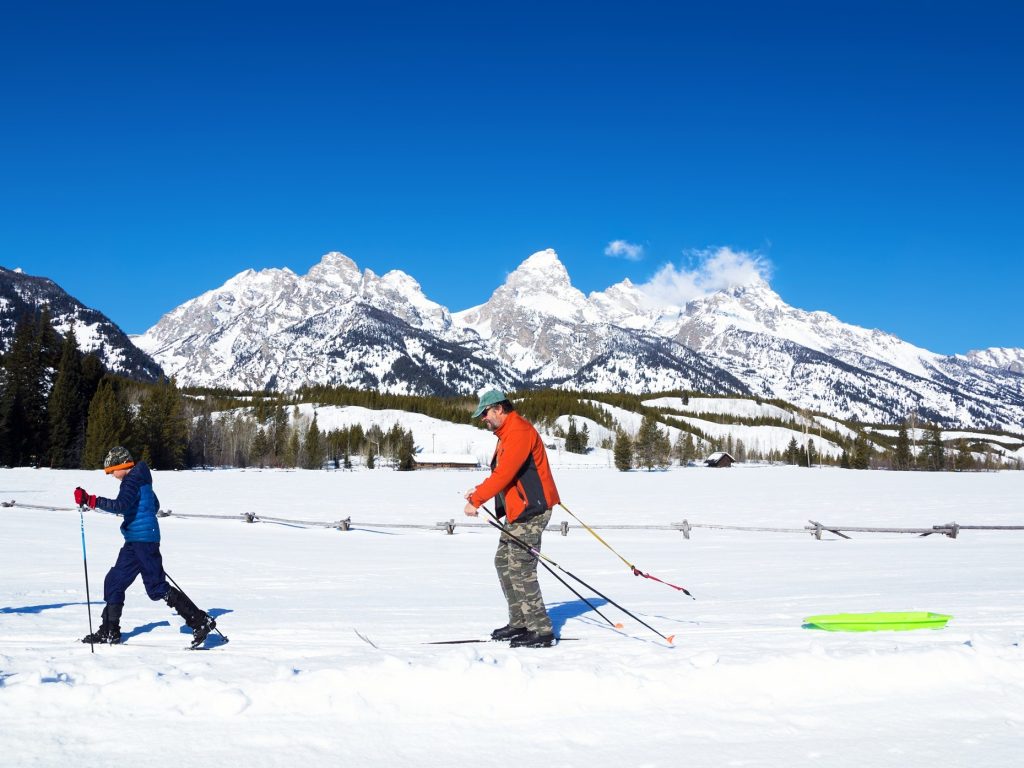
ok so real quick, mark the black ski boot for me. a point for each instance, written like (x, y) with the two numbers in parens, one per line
(508, 632)
(200, 622)
(201, 629)
(110, 628)
(534, 640)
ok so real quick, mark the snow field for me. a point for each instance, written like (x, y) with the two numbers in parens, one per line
(744, 683)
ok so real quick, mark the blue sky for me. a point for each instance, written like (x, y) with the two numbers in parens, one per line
(870, 153)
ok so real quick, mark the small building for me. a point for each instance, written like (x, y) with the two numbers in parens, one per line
(444, 461)
(719, 459)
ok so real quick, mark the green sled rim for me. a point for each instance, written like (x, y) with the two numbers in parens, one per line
(878, 621)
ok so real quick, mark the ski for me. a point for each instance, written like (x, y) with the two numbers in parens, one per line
(133, 644)
(481, 640)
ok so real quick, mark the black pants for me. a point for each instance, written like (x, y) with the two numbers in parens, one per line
(136, 557)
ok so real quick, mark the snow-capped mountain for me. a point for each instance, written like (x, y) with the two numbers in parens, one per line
(537, 322)
(342, 326)
(998, 357)
(94, 331)
(815, 360)
(335, 325)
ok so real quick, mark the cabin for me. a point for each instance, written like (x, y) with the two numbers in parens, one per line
(719, 459)
(444, 461)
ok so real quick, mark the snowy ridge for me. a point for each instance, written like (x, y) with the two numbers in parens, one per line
(999, 358)
(94, 331)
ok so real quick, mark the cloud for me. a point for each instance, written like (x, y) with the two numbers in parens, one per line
(622, 249)
(712, 270)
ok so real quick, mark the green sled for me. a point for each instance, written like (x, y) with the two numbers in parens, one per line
(880, 620)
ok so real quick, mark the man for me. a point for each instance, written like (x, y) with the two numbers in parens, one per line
(140, 554)
(524, 493)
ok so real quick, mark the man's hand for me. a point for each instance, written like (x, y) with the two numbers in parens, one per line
(470, 510)
(83, 498)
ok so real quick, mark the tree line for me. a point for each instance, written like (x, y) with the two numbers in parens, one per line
(61, 408)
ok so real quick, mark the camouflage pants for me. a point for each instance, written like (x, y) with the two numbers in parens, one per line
(517, 572)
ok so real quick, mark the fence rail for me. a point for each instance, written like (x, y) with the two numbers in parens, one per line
(815, 529)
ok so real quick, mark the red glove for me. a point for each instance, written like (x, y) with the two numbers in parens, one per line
(81, 497)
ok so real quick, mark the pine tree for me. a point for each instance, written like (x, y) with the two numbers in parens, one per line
(92, 374)
(964, 459)
(161, 430)
(24, 421)
(259, 448)
(623, 452)
(406, 452)
(902, 458)
(650, 444)
(66, 409)
(860, 457)
(278, 434)
(741, 451)
(933, 453)
(314, 450)
(792, 451)
(678, 450)
(109, 424)
(290, 458)
(572, 437)
(202, 441)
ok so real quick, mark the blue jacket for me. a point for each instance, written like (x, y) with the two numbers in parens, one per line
(137, 502)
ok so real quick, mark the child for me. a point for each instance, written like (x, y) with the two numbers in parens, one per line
(140, 554)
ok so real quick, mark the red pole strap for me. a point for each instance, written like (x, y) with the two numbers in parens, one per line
(638, 572)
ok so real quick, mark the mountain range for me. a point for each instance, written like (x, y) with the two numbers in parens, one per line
(340, 325)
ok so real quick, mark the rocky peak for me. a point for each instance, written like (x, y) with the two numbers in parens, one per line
(543, 268)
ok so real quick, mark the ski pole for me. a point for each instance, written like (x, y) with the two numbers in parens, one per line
(85, 563)
(636, 571)
(215, 627)
(495, 523)
(524, 547)
(548, 568)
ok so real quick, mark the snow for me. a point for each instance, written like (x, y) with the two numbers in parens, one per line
(919, 433)
(743, 684)
(446, 458)
(836, 426)
(764, 438)
(732, 406)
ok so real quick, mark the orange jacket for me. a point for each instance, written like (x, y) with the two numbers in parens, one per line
(520, 475)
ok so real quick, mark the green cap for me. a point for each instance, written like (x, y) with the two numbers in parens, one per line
(487, 399)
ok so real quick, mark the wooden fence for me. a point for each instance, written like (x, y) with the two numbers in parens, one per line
(815, 528)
